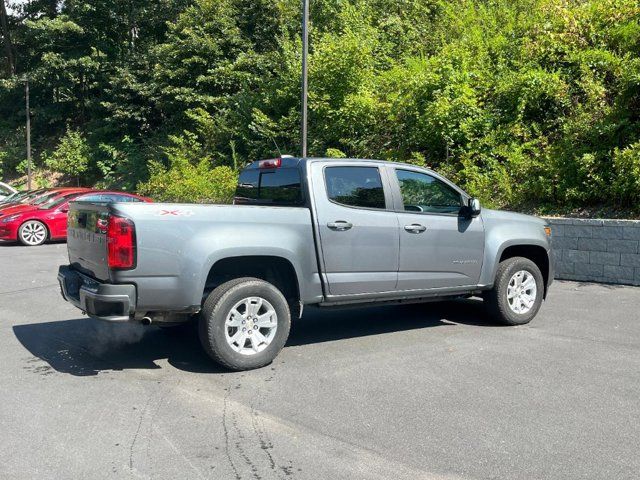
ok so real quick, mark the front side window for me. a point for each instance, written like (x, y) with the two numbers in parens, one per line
(423, 193)
(355, 186)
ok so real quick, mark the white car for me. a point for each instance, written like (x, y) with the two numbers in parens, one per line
(6, 190)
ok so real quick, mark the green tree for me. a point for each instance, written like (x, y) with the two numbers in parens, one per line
(71, 155)
(528, 104)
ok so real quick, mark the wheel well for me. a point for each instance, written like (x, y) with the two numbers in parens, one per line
(535, 253)
(275, 270)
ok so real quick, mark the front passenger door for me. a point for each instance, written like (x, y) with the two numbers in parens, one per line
(439, 247)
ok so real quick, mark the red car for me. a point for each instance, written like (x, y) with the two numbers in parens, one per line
(33, 224)
(38, 198)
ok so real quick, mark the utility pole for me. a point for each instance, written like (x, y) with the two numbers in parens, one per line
(26, 92)
(305, 53)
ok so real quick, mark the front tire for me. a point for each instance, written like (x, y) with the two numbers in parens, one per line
(244, 323)
(517, 292)
(32, 233)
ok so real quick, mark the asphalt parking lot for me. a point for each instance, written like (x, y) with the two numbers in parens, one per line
(396, 392)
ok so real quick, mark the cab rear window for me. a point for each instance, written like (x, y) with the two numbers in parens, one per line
(278, 186)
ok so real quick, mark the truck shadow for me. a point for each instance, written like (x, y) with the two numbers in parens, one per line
(85, 347)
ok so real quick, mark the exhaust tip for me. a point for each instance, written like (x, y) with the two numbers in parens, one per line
(146, 320)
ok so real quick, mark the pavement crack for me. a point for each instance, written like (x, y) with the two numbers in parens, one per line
(135, 436)
(226, 435)
(265, 444)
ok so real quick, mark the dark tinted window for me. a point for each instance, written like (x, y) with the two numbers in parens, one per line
(279, 186)
(423, 193)
(355, 186)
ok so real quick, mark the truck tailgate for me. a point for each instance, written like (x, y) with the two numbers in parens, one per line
(87, 239)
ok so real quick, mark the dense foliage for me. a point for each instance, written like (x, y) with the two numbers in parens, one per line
(524, 102)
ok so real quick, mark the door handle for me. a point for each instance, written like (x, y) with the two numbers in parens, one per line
(415, 228)
(339, 225)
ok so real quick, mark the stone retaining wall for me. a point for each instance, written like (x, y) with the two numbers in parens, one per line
(597, 250)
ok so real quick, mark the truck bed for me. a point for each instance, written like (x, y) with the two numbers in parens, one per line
(177, 245)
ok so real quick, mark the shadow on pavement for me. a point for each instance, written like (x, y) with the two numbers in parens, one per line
(85, 347)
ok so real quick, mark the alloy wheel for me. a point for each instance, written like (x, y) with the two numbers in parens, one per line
(251, 325)
(33, 233)
(521, 292)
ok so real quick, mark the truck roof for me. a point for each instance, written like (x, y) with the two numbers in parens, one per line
(288, 161)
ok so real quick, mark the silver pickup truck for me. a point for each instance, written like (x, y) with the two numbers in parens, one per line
(322, 232)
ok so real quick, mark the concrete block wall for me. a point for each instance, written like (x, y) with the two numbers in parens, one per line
(597, 250)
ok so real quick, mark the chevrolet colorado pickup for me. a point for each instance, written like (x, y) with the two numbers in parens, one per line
(302, 231)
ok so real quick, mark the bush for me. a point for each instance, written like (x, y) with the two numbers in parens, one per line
(525, 103)
(71, 156)
(190, 183)
(626, 183)
(188, 178)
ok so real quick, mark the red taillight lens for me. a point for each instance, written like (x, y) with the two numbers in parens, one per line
(121, 243)
(272, 163)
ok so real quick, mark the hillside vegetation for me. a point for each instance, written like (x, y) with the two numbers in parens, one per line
(525, 103)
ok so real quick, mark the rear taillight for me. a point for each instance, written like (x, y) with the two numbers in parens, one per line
(121, 243)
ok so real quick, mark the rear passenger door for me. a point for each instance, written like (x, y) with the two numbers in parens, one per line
(357, 227)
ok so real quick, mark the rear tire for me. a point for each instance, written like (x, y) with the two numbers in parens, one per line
(244, 323)
(33, 233)
(517, 292)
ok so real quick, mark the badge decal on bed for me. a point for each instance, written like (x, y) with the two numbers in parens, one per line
(177, 212)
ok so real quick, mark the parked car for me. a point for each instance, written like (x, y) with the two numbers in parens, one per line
(322, 232)
(21, 197)
(46, 217)
(6, 191)
(36, 198)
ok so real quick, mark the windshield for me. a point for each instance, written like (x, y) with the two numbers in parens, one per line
(18, 197)
(56, 201)
(12, 197)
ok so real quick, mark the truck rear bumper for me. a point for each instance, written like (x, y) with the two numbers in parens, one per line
(104, 301)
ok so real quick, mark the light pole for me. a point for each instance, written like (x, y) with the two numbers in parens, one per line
(26, 94)
(305, 53)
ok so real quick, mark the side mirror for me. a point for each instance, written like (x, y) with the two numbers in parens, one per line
(64, 209)
(474, 207)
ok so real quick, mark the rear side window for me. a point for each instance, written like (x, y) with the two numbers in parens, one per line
(355, 186)
(279, 186)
